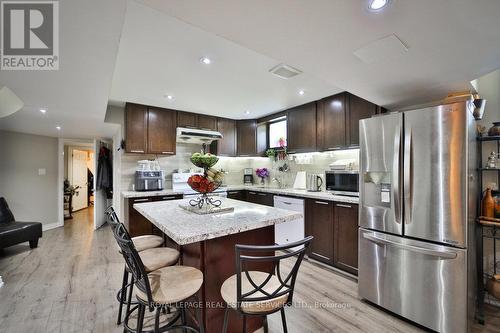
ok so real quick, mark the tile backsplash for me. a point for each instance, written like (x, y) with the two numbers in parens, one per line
(234, 166)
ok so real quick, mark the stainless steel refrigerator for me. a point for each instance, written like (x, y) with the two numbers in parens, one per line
(416, 215)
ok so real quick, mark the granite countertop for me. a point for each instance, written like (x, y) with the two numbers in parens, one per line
(322, 195)
(142, 194)
(186, 227)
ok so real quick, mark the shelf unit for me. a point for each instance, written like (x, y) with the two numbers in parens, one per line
(485, 229)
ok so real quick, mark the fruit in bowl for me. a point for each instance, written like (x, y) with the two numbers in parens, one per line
(202, 184)
(204, 160)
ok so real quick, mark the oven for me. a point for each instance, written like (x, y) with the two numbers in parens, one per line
(342, 182)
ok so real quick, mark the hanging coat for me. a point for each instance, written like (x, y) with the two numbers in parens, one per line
(105, 172)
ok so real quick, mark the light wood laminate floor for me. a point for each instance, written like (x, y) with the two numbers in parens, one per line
(68, 284)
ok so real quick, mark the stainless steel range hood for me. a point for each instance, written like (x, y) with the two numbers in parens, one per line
(197, 136)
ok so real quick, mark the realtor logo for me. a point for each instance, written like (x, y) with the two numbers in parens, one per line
(29, 35)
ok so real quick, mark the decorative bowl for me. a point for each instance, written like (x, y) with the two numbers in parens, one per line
(204, 162)
(202, 185)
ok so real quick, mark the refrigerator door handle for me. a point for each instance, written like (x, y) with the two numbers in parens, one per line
(396, 176)
(408, 176)
(422, 250)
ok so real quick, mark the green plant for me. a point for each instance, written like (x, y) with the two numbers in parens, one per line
(271, 153)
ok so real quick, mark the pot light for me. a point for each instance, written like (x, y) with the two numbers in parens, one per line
(301, 92)
(44, 111)
(170, 97)
(58, 128)
(205, 60)
(377, 4)
(247, 112)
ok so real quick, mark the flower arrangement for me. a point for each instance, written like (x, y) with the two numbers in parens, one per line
(262, 173)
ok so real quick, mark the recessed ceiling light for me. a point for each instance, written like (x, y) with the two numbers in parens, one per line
(58, 128)
(44, 111)
(205, 60)
(247, 112)
(170, 97)
(301, 92)
(376, 5)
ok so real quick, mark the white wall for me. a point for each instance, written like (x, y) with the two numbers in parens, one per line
(30, 196)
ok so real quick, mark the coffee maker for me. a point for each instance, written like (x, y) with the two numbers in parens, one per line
(248, 176)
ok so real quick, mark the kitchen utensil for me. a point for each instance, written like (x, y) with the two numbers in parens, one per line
(314, 182)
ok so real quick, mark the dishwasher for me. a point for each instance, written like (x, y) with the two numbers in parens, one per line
(290, 231)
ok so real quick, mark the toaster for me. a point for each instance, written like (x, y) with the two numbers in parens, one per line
(149, 180)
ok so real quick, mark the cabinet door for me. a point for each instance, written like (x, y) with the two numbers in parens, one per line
(137, 224)
(262, 143)
(247, 137)
(187, 119)
(358, 109)
(301, 128)
(319, 223)
(226, 146)
(207, 122)
(253, 197)
(332, 122)
(162, 134)
(136, 128)
(346, 237)
(236, 195)
(266, 199)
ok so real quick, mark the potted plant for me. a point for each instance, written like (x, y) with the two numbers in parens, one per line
(263, 173)
(271, 153)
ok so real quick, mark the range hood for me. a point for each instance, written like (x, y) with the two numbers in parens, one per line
(197, 136)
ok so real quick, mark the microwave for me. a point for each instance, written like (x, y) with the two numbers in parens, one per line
(342, 182)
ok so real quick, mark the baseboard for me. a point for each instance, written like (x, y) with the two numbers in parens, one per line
(49, 226)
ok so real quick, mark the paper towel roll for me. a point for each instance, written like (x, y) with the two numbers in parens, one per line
(300, 181)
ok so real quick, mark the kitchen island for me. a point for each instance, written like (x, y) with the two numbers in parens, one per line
(207, 243)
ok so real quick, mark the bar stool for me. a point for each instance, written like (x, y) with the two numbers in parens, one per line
(256, 293)
(165, 288)
(152, 255)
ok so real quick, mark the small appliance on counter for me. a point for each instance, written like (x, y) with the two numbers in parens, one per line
(300, 181)
(149, 180)
(248, 176)
(314, 183)
(342, 182)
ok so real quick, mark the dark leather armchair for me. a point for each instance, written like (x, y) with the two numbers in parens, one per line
(12, 232)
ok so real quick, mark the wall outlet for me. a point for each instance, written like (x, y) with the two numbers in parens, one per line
(42, 172)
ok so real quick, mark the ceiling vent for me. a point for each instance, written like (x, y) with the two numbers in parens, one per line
(284, 71)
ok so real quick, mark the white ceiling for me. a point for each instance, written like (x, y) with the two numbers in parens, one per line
(76, 95)
(450, 42)
(160, 55)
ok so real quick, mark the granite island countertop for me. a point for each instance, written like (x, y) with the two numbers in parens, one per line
(186, 227)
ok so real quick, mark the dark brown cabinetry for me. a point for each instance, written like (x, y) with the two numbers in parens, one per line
(346, 237)
(161, 131)
(237, 195)
(136, 128)
(207, 122)
(319, 221)
(301, 128)
(260, 198)
(226, 146)
(331, 122)
(150, 130)
(187, 119)
(247, 137)
(358, 109)
(137, 224)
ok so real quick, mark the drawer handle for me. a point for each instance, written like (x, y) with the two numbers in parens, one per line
(345, 206)
(252, 193)
(137, 151)
(262, 194)
(243, 155)
(321, 202)
(168, 198)
(292, 152)
(230, 192)
(167, 152)
(141, 200)
(333, 148)
(286, 203)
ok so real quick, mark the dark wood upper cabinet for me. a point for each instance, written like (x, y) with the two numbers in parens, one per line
(207, 122)
(358, 109)
(319, 221)
(331, 122)
(247, 137)
(136, 128)
(162, 124)
(346, 237)
(187, 119)
(301, 128)
(226, 146)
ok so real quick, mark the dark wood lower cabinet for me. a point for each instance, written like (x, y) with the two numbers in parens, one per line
(319, 223)
(237, 195)
(260, 198)
(346, 237)
(137, 224)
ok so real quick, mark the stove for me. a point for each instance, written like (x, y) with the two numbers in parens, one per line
(179, 184)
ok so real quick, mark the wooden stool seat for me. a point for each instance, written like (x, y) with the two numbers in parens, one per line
(172, 284)
(229, 293)
(145, 242)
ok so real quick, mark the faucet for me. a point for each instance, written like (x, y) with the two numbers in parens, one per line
(280, 185)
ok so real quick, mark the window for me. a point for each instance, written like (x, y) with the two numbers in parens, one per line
(277, 133)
